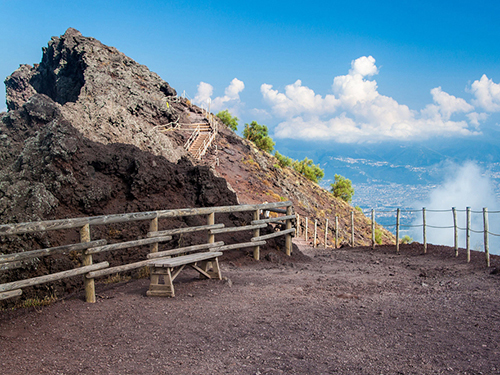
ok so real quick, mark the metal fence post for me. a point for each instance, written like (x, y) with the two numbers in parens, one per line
(486, 229)
(467, 236)
(455, 229)
(425, 234)
(398, 213)
(326, 232)
(288, 237)
(352, 228)
(373, 229)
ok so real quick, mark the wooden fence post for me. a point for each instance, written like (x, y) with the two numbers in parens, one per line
(424, 234)
(467, 236)
(455, 228)
(307, 227)
(153, 227)
(256, 233)
(486, 229)
(211, 221)
(373, 228)
(87, 261)
(297, 229)
(336, 232)
(315, 232)
(288, 237)
(398, 213)
(326, 232)
(352, 228)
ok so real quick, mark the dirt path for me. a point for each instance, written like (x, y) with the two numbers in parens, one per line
(346, 311)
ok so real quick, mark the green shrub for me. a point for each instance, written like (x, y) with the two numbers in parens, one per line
(357, 208)
(228, 120)
(258, 134)
(406, 239)
(311, 171)
(283, 161)
(342, 188)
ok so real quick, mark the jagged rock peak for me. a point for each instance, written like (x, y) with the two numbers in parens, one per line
(106, 95)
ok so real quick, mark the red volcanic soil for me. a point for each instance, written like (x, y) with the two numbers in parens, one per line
(344, 311)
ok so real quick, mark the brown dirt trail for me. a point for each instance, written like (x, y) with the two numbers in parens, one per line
(344, 311)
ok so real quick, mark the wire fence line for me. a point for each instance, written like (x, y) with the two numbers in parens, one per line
(468, 229)
(302, 228)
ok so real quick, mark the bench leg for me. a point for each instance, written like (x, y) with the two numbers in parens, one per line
(211, 268)
(161, 290)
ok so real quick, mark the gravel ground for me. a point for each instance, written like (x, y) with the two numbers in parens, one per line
(344, 311)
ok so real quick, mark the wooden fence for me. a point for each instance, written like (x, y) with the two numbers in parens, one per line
(87, 247)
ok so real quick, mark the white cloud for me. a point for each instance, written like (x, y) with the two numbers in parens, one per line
(204, 93)
(449, 104)
(230, 100)
(487, 94)
(364, 66)
(297, 99)
(476, 118)
(357, 112)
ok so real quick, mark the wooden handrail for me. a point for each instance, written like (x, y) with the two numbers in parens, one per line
(38, 226)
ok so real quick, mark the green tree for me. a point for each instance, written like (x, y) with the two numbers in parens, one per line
(228, 120)
(258, 134)
(308, 169)
(283, 161)
(342, 188)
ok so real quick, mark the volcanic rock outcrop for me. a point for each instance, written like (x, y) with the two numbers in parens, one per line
(105, 95)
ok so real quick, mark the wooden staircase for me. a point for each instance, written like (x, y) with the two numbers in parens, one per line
(202, 137)
(203, 130)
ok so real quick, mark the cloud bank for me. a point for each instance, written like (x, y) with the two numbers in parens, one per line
(357, 112)
(465, 186)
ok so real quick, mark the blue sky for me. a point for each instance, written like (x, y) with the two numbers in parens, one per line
(364, 71)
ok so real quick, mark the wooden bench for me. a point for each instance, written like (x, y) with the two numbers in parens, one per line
(206, 263)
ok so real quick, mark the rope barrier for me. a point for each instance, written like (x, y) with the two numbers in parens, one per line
(428, 210)
(476, 231)
(436, 227)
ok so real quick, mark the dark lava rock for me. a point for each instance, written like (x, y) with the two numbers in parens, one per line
(104, 94)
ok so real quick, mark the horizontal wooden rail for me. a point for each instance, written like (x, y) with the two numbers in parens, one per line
(218, 209)
(11, 294)
(169, 232)
(52, 277)
(126, 245)
(237, 229)
(272, 235)
(240, 245)
(277, 210)
(186, 249)
(7, 229)
(11, 265)
(274, 219)
(51, 250)
(117, 269)
(41, 226)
